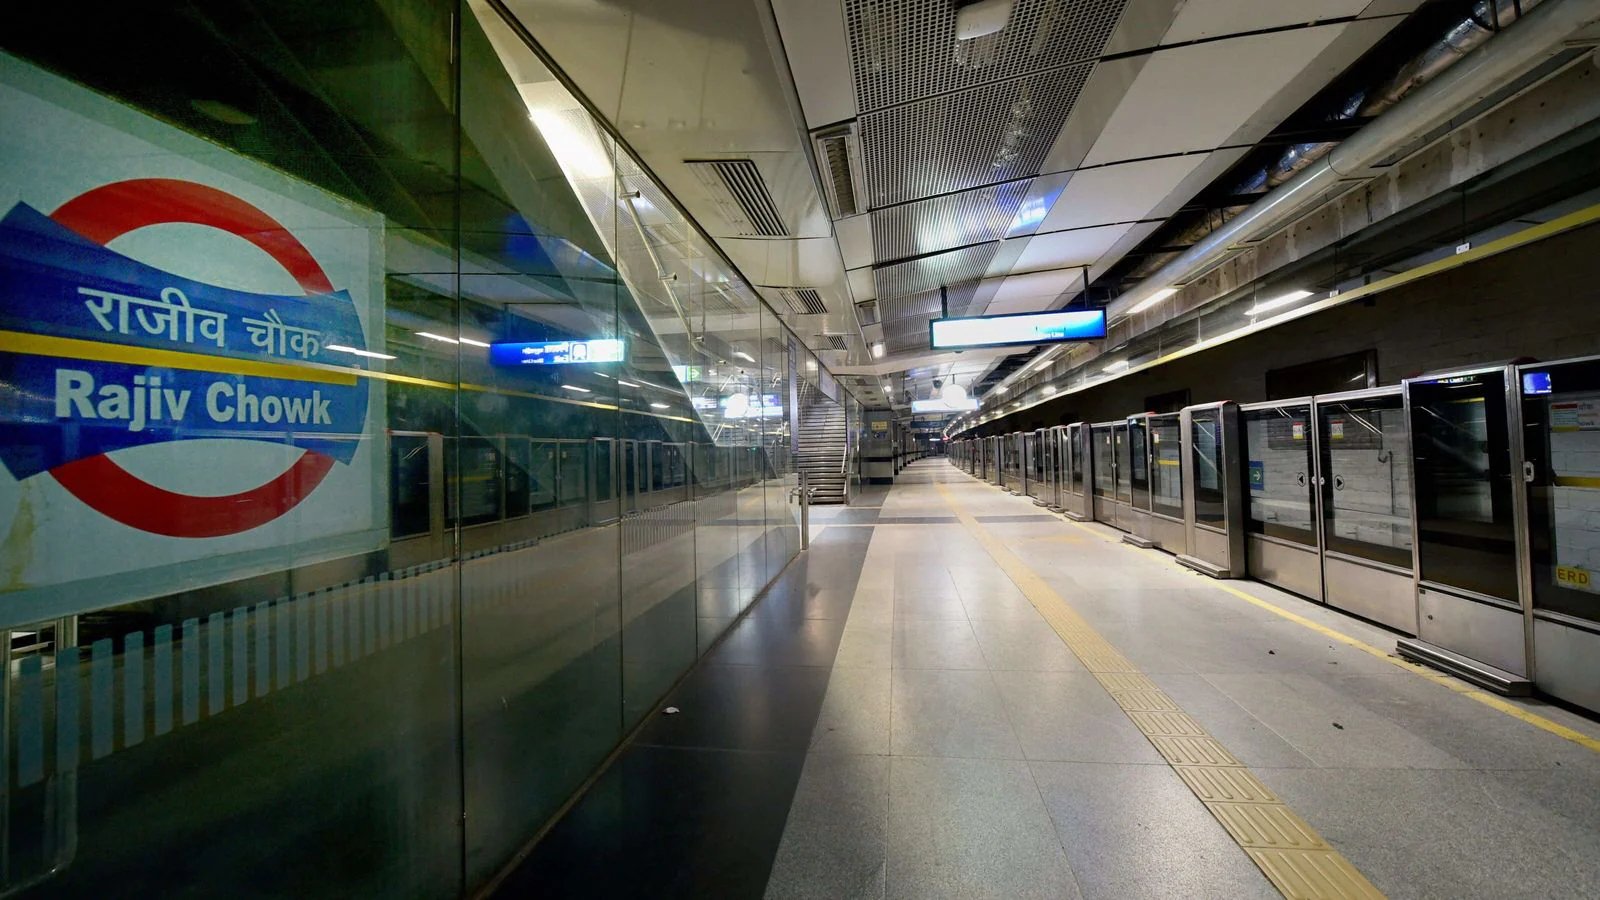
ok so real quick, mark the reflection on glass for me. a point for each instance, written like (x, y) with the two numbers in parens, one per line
(1105, 471)
(1139, 459)
(1366, 493)
(1075, 442)
(1166, 475)
(1124, 464)
(1462, 468)
(1561, 421)
(1278, 472)
(1205, 437)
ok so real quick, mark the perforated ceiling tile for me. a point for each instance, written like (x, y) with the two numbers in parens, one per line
(927, 274)
(922, 304)
(979, 136)
(901, 50)
(940, 223)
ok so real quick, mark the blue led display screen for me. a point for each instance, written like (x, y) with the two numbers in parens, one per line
(1013, 330)
(547, 353)
(1536, 382)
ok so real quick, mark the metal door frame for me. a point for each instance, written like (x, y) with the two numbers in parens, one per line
(1313, 484)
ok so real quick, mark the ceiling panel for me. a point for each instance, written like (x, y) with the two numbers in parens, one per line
(1064, 249)
(923, 304)
(941, 223)
(1201, 19)
(1196, 97)
(855, 240)
(928, 273)
(906, 49)
(980, 136)
(1118, 193)
(1033, 291)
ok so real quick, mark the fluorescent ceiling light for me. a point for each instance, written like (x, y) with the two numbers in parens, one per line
(626, 383)
(660, 406)
(878, 350)
(1117, 366)
(1152, 300)
(437, 337)
(743, 355)
(1049, 389)
(473, 342)
(368, 353)
(573, 387)
(1001, 389)
(1275, 302)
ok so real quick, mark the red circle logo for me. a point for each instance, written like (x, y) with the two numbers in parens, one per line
(110, 211)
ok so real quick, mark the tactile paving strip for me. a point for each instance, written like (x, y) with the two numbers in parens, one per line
(1286, 848)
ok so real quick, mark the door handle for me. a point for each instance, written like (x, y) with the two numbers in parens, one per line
(1527, 472)
(1338, 482)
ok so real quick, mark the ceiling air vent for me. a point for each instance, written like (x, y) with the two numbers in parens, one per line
(741, 194)
(831, 342)
(867, 312)
(803, 301)
(839, 158)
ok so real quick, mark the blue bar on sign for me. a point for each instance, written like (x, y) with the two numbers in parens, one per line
(216, 663)
(101, 690)
(133, 689)
(69, 710)
(30, 722)
(163, 679)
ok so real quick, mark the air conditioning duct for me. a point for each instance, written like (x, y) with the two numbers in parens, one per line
(838, 153)
(741, 194)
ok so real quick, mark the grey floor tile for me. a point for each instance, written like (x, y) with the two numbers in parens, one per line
(1023, 644)
(1069, 716)
(1243, 734)
(868, 645)
(949, 713)
(929, 606)
(855, 713)
(1329, 727)
(969, 829)
(835, 841)
(1138, 831)
(1440, 833)
(936, 644)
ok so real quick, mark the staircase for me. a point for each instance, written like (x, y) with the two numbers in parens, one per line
(822, 448)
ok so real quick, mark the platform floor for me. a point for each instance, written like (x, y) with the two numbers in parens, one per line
(957, 694)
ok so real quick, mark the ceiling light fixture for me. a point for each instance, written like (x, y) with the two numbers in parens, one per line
(660, 406)
(1276, 302)
(626, 383)
(573, 387)
(743, 355)
(1118, 366)
(472, 342)
(358, 352)
(878, 350)
(1152, 300)
(437, 337)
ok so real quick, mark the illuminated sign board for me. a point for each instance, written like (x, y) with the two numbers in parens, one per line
(547, 353)
(1019, 329)
(763, 406)
(943, 406)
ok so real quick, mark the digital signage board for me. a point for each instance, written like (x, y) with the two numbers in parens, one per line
(549, 353)
(1017, 329)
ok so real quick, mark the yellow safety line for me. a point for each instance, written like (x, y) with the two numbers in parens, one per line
(1289, 852)
(101, 351)
(1461, 687)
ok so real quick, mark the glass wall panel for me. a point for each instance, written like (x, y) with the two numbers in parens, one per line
(1562, 445)
(1124, 464)
(1205, 437)
(1461, 461)
(1278, 472)
(1105, 470)
(1366, 492)
(400, 460)
(1139, 468)
(1166, 475)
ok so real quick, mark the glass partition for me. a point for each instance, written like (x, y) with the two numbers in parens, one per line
(1124, 463)
(1075, 441)
(1105, 470)
(1205, 441)
(1166, 473)
(1561, 424)
(1139, 463)
(1461, 464)
(1366, 490)
(1278, 472)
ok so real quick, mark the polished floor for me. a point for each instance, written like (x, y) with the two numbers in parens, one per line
(956, 694)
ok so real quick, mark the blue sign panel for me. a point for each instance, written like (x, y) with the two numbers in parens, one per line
(1536, 383)
(1258, 475)
(548, 353)
(1016, 330)
(111, 353)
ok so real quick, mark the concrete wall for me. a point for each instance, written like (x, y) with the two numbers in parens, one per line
(1540, 301)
